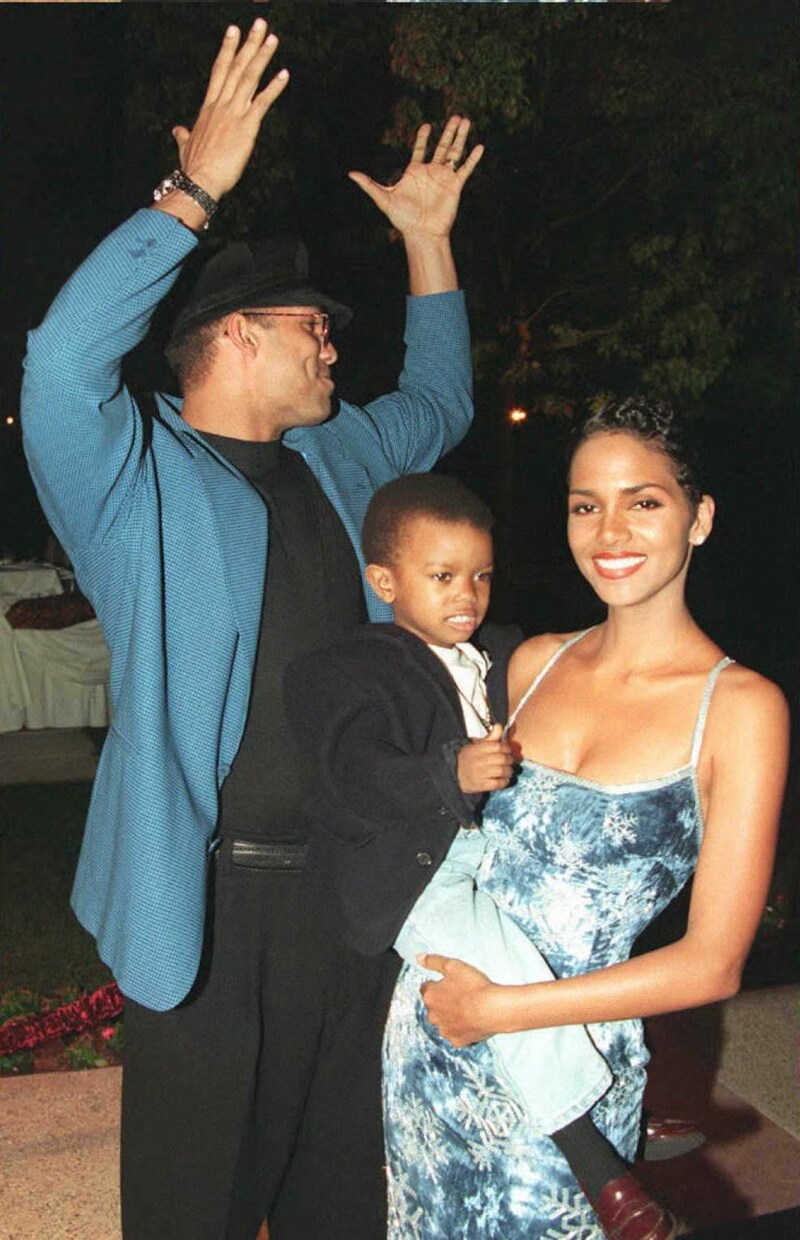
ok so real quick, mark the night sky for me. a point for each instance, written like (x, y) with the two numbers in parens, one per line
(71, 169)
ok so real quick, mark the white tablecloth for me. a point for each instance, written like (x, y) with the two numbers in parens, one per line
(27, 581)
(49, 678)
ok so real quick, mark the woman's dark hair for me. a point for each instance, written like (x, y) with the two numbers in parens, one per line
(658, 424)
(412, 495)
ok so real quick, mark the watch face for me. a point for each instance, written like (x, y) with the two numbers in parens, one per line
(163, 189)
(177, 180)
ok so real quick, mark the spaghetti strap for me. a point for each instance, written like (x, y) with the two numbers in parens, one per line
(702, 714)
(554, 657)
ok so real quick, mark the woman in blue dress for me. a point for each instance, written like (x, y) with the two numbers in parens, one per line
(645, 755)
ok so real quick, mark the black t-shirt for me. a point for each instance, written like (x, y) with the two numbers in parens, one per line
(312, 595)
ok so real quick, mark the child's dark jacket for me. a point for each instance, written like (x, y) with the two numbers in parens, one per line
(380, 715)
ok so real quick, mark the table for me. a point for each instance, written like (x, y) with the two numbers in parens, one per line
(49, 678)
(28, 581)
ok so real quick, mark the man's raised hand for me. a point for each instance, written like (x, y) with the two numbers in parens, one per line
(424, 202)
(215, 151)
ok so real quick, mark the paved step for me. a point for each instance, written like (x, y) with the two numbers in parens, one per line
(59, 1154)
(59, 1140)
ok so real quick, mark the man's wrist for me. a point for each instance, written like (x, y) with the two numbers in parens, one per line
(422, 239)
(431, 267)
(179, 182)
(182, 208)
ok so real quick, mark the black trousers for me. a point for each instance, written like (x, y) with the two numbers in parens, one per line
(259, 1097)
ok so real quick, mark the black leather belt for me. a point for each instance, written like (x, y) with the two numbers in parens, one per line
(264, 855)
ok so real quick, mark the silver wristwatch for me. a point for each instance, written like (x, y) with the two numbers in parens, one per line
(179, 180)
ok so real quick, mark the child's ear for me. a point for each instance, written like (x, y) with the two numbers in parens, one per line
(381, 579)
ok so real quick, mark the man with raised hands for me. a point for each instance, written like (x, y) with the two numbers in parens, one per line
(218, 538)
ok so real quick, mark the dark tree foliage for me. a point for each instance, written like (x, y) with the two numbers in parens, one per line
(636, 213)
(633, 219)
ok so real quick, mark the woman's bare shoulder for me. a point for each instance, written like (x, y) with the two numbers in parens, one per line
(741, 684)
(529, 659)
(746, 702)
(743, 768)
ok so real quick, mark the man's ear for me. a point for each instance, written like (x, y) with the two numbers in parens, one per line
(381, 578)
(240, 332)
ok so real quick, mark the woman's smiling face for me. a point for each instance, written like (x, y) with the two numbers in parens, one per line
(631, 525)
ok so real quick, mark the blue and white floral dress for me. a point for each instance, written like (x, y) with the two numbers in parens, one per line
(583, 868)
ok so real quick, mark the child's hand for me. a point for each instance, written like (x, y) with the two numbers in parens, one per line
(487, 764)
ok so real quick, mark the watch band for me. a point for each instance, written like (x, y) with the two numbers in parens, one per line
(179, 180)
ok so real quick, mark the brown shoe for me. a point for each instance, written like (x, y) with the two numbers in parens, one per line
(669, 1138)
(627, 1212)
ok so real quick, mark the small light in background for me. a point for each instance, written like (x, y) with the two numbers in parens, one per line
(10, 421)
(517, 415)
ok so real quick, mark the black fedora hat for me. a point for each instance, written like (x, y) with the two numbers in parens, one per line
(271, 272)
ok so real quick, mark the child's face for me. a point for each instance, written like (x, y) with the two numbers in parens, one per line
(440, 580)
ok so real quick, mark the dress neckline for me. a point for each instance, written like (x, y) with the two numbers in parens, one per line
(659, 781)
(640, 785)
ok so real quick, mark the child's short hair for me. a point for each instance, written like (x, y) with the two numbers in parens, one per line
(412, 495)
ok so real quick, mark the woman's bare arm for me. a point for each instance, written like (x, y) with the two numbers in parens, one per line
(745, 766)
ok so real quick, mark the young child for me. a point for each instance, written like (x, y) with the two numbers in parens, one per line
(403, 723)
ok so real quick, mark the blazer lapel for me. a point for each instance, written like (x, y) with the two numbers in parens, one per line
(242, 524)
(440, 681)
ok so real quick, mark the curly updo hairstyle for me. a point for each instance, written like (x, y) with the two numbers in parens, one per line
(658, 424)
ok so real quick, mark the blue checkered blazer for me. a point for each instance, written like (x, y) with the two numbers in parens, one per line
(169, 542)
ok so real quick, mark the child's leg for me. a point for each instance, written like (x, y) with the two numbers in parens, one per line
(557, 1074)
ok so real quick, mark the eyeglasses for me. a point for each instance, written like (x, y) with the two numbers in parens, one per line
(321, 322)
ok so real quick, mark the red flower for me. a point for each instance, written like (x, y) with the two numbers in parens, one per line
(83, 1013)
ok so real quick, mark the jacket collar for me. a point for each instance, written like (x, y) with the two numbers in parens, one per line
(415, 648)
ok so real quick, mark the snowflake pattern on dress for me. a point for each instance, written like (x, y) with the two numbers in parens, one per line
(537, 797)
(574, 1216)
(405, 1213)
(512, 850)
(582, 869)
(422, 1128)
(486, 1110)
(583, 885)
(618, 826)
(568, 853)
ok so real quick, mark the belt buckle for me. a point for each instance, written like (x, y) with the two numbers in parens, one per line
(265, 855)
